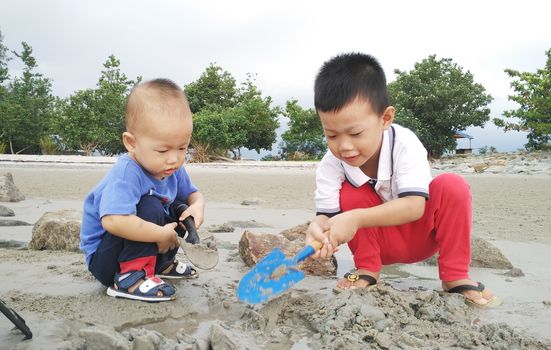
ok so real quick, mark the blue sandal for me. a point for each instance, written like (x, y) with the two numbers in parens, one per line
(179, 270)
(147, 291)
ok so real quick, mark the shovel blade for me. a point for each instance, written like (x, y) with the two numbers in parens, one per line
(270, 277)
(200, 255)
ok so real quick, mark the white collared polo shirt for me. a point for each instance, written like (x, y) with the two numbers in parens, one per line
(403, 171)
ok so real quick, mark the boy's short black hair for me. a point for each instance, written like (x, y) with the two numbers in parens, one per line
(348, 76)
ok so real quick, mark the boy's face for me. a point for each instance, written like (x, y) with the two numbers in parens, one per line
(160, 144)
(354, 133)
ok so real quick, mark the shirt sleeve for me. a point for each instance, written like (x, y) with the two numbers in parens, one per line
(185, 186)
(329, 179)
(120, 197)
(412, 171)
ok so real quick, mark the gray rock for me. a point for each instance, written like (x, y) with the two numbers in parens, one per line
(252, 201)
(226, 227)
(514, 272)
(10, 222)
(58, 230)
(8, 191)
(220, 338)
(103, 337)
(483, 254)
(5, 211)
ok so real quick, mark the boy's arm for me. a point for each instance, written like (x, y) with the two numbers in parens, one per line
(343, 227)
(134, 228)
(196, 202)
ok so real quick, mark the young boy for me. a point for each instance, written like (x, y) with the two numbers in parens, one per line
(128, 227)
(373, 186)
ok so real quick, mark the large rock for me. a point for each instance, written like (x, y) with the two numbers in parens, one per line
(253, 247)
(59, 230)
(483, 254)
(8, 191)
(5, 211)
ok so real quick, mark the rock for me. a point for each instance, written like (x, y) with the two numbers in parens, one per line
(480, 167)
(5, 211)
(103, 337)
(297, 232)
(58, 230)
(483, 254)
(514, 272)
(253, 247)
(247, 224)
(8, 191)
(10, 222)
(547, 302)
(220, 338)
(252, 201)
(226, 227)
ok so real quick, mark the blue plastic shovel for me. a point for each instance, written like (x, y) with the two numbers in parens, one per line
(273, 275)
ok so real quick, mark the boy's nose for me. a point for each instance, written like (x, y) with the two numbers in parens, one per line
(345, 145)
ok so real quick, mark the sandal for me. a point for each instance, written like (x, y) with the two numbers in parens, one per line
(179, 270)
(494, 301)
(147, 291)
(353, 277)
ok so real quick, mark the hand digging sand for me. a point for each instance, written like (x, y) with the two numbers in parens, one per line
(202, 255)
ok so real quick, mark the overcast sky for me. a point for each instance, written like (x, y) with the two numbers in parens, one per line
(283, 42)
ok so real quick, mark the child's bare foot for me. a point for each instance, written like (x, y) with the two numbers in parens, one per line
(359, 279)
(476, 296)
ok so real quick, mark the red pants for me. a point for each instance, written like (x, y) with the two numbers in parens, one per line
(445, 227)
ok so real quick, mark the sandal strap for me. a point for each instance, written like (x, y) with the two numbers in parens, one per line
(465, 287)
(353, 277)
(127, 280)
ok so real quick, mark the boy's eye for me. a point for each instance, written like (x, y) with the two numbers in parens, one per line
(331, 136)
(357, 133)
(162, 150)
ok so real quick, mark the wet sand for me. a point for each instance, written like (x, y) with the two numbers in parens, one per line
(66, 308)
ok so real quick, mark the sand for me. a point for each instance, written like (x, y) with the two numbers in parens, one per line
(66, 308)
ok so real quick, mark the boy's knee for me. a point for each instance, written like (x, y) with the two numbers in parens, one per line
(150, 208)
(452, 185)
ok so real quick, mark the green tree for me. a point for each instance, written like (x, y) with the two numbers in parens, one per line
(254, 118)
(215, 87)
(227, 118)
(3, 60)
(26, 108)
(305, 133)
(533, 94)
(437, 98)
(80, 126)
(93, 119)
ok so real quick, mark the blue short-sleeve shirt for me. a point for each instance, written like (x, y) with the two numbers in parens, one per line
(120, 191)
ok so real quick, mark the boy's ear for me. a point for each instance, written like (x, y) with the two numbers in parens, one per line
(388, 117)
(129, 141)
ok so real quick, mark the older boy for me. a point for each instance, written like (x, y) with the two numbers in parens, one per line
(373, 185)
(128, 228)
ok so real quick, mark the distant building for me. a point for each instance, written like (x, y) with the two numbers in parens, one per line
(462, 135)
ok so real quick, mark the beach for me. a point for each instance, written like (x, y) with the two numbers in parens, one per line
(67, 309)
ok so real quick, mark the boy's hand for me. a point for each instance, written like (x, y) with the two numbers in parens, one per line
(169, 238)
(195, 210)
(317, 232)
(342, 228)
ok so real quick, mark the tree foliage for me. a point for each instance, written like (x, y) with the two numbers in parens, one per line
(214, 88)
(93, 119)
(305, 133)
(26, 107)
(533, 94)
(437, 98)
(227, 118)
